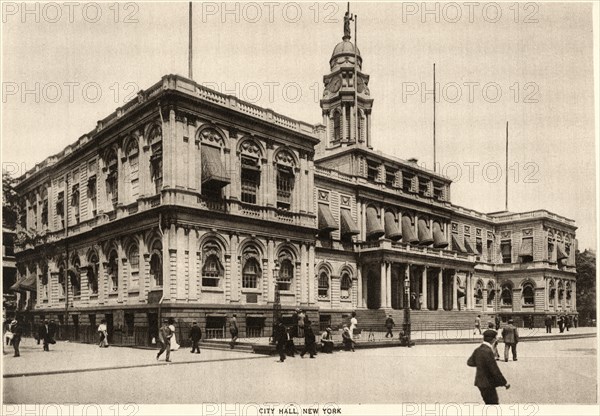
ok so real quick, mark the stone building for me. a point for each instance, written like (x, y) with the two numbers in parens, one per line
(192, 204)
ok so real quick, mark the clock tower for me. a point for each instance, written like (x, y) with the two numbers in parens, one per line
(346, 101)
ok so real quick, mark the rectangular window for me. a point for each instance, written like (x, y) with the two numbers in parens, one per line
(526, 250)
(75, 202)
(490, 250)
(550, 250)
(390, 177)
(506, 249)
(285, 186)
(250, 180)
(438, 191)
(372, 171)
(407, 180)
(423, 186)
(479, 245)
(44, 213)
(60, 208)
(91, 191)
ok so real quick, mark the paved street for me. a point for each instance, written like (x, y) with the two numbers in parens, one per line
(548, 372)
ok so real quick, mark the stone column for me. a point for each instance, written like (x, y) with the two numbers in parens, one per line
(454, 297)
(469, 290)
(359, 283)
(383, 289)
(344, 123)
(388, 279)
(440, 304)
(312, 298)
(424, 287)
(546, 294)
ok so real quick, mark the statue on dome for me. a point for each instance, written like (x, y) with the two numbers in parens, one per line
(348, 17)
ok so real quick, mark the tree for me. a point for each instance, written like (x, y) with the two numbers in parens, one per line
(10, 205)
(586, 285)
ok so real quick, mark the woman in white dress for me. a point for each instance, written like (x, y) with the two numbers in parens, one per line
(353, 325)
(174, 344)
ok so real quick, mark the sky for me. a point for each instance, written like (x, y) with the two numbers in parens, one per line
(531, 64)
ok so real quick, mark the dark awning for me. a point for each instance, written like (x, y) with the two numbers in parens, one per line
(439, 239)
(560, 252)
(457, 245)
(460, 292)
(29, 283)
(469, 246)
(326, 221)
(212, 167)
(526, 247)
(391, 228)
(348, 225)
(425, 238)
(408, 233)
(374, 229)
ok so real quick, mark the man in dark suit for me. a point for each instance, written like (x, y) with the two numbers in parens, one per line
(195, 336)
(548, 323)
(488, 375)
(46, 334)
(510, 335)
(164, 336)
(17, 330)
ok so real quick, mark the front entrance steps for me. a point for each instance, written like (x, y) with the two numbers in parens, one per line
(421, 320)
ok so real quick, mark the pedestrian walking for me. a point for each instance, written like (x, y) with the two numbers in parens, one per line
(561, 324)
(164, 337)
(46, 334)
(347, 340)
(530, 321)
(310, 346)
(281, 338)
(497, 321)
(353, 325)
(233, 330)
(548, 324)
(102, 330)
(327, 341)
(488, 376)
(477, 325)
(301, 323)
(510, 335)
(8, 335)
(569, 322)
(195, 336)
(575, 321)
(389, 324)
(17, 331)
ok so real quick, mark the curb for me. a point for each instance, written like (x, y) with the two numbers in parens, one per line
(156, 364)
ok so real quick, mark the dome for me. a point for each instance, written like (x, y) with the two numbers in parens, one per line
(344, 52)
(344, 48)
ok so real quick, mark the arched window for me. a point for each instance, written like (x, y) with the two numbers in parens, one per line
(345, 286)
(92, 273)
(212, 271)
(251, 273)
(552, 292)
(286, 274)
(561, 291)
(156, 159)
(337, 126)
(491, 294)
(75, 279)
(250, 172)
(133, 172)
(156, 272)
(44, 281)
(112, 177)
(323, 285)
(506, 295)
(285, 180)
(133, 256)
(113, 272)
(528, 294)
(478, 293)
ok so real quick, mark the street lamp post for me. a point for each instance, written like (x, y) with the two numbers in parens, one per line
(276, 303)
(406, 326)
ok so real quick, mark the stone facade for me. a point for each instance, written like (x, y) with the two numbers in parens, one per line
(193, 204)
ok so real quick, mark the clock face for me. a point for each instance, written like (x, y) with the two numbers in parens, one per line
(335, 84)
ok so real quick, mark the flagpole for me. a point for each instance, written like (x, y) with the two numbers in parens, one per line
(190, 73)
(356, 122)
(506, 172)
(434, 158)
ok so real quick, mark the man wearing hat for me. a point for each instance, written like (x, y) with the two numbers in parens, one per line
(488, 376)
(389, 324)
(510, 335)
(164, 336)
(327, 341)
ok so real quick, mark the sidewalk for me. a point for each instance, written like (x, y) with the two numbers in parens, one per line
(451, 336)
(67, 357)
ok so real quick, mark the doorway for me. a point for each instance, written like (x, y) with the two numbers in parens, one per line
(373, 290)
